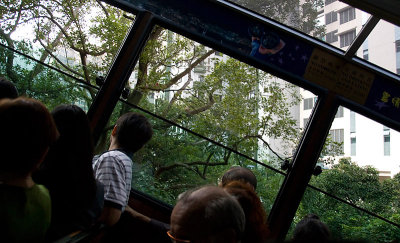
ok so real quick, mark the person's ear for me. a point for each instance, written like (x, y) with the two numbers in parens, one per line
(114, 131)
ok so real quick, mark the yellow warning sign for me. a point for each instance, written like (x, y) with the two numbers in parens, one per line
(336, 74)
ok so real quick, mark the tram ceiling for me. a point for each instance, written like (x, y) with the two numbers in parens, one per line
(287, 53)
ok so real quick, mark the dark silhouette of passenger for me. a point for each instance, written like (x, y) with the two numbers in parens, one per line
(208, 214)
(256, 230)
(311, 229)
(7, 89)
(27, 130)
(114, 167)
(77, 199)
(238, 173)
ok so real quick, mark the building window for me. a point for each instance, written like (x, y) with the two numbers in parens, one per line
(337, 136)
(332, 37)
(398, 71)
(347, 38)
(353, 146)
(329, 2)
(305, 122)
(397, 43)
(330, 17)
(365, 54)
(352, 121)
(386, 145)
(347, 15)
(308, 103)
(339, 112)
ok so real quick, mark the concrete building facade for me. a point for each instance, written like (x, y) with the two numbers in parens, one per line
(365, 141)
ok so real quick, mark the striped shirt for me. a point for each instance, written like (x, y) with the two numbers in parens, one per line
(114, 170)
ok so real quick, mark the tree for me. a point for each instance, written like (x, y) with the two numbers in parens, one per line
(360, 186)
(302, 15)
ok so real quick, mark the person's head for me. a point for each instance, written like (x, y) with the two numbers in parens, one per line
(208, 214)
(132, 131)
(27, 130)
(238, 173)
(70, 155)
(311, 229)
(7, 89)
(256, 219)
(73, 126)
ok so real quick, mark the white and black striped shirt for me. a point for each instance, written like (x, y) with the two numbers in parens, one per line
(114, 170)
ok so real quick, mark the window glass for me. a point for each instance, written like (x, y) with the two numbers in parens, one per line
(35, 80)
(339, 113)
(384, 52)
(314, 18)
(78, 37)
(330, 17)
(332, 36)
(347, 38)
(363, 171)
(344, 221)
(308, 103)
(233, 104)
(347, 15)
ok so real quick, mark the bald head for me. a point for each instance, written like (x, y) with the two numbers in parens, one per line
(238, 173)
(208, 214)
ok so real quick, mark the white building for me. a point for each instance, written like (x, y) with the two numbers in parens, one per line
(365, 141)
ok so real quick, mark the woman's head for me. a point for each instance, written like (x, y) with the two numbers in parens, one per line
(256, 228)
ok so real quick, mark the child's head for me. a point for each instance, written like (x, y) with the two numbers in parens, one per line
(132, 131)
(27, 130)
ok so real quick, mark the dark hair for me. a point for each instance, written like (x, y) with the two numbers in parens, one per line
(133, 131)
(7, 89)
(27, 130)
(311, 229)
(211, 213)
(67, 169)
(256, 229)
(238, 173)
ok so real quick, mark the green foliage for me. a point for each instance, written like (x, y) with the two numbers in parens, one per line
(362, 187)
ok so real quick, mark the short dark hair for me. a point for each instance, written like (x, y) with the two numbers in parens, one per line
(238, 173)
(207, 212)
(27, 130)
(311, 229)
(133, 131)
(7, 89)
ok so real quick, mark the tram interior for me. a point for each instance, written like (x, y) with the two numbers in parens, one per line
(259, 84)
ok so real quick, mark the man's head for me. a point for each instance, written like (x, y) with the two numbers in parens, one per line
(7, 89)
(132, 131)
(208, 214)
(27, 130)
(238, 173)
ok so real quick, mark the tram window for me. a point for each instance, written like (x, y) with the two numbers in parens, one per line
(215, 104)
(44, 33)
(346, 222)
(365, 174)
(384, 52)
(49, 86)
